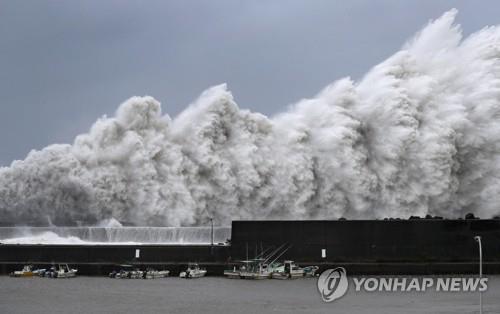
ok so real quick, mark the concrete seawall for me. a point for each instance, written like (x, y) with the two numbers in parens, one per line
(101, 259)
(420, 246)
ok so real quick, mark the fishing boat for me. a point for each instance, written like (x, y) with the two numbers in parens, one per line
(61, 271)
(260, 267)
(153, 274)
(255, 269)
(133, 274)
(48, 272)
(288, 271)
(27, 271)
(233, 273)
(193, 271)
(126, 272)
(310, 271)
(114, 274)
(122, 274)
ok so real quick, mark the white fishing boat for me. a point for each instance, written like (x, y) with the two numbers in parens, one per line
(133, 274)
(63, 271)
(255, 269)
(27, 271)
(255, 275)
(233, 273)
(113, 274)
(260, 267)
(127, 272)
(122, 274)
(251, 269)
(310, 271)
(193, 271)
(48, 272)
(288, 271)
(153, 273)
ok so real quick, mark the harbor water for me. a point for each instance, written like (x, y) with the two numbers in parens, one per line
(214, 295)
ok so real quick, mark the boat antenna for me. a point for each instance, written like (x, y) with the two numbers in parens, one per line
(263, 252)
(284, 251)
(274, 252)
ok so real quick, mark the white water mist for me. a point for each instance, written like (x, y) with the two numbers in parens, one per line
(419, 134)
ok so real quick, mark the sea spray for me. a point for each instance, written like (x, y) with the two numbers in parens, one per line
(113, 235)
(419, 134)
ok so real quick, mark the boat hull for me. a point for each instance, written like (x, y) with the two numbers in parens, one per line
(197, 274)
(65, 275)
(281, 276)
(156, 275)
(255, 276)
(232, 274)
(22, 274)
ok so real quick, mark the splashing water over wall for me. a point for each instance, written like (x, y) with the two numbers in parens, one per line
(419, 134)
(115, 235)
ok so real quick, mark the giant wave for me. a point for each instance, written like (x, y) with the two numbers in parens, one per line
(418, 134)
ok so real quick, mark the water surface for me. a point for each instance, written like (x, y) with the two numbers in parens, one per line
(213, 295)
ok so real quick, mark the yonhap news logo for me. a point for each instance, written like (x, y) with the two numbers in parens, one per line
(333, 284)
(421, 284)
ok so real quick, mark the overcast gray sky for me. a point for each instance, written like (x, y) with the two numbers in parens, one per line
(63, 64)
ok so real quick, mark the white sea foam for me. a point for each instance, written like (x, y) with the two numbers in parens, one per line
(47, 237)
(114, 235)
(419, 134)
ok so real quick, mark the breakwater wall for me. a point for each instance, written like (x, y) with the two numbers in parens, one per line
(418, 246)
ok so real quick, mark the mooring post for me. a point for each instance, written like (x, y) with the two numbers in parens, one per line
(478, 240)
(212, 231)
